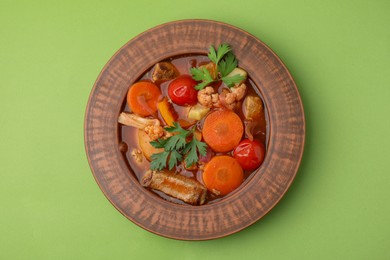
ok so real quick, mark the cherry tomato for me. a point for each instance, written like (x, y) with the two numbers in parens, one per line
(249, 154)
(182, 91)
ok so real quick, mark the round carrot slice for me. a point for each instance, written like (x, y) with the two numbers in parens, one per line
(222, 130)
(142, 98)
(222, 175)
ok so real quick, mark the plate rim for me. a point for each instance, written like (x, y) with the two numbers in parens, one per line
(205, 206)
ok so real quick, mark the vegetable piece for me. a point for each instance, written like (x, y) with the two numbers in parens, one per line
(230, 98)
(191, 150)
(133, 120)
(226, 70)
(216, 56)
(175, 147)
(227, 65)
(206, 158)
(182, 92)
(144, 143)
(185, 123)
(151, 126)
(167, 112)
(253, 107)
(222, 130)
(197, 112)
(239, 91)
(142, 98)
(164, 71)
(249, 154)
(176, 185)
(235, 77)
(208, 98)
(202, 74)
(212, 68)
(222, 175)
(249, 128)
(198, 135)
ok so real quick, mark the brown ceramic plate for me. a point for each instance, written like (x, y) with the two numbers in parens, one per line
(244, 206)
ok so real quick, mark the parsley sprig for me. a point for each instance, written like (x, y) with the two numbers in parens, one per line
(216, 56)
(201, 74)
(176, 148)
(225, 62)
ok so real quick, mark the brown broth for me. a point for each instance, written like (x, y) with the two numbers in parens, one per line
(128, 135)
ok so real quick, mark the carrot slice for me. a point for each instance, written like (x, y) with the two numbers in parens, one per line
(222, 175)
(222, 130)
(142, 98)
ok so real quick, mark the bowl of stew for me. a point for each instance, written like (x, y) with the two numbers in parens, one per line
(194, 130)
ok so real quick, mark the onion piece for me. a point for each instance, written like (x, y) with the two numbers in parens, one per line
(206, 158)
(249, 128)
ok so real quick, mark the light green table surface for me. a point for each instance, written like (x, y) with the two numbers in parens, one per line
(51, 52)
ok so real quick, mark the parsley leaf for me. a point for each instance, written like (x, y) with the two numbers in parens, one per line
(202, 85)
(159, 143)
(177, 141)
(227, 65)
(212, 54)
(201, 75)
(176, 147)
(191, 151)
(175, 128)
(216, 56)
(230, 81)
(197, 74)
(159, 160)
(225, 62)
(174, 158)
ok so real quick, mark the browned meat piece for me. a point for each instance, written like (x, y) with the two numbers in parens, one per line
(164, 71)
(175, 185)
(253, 107)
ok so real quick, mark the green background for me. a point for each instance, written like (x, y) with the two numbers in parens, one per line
(51, 52)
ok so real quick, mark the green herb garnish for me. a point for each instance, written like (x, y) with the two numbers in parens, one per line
(225, 62)
(201, 75)
(176, 147)
(192, 148)
(216, 56)
(227, 65)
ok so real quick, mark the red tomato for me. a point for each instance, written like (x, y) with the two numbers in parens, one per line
(182, 91)
(249, 154)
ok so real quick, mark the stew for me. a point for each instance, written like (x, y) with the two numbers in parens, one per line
(193, 128)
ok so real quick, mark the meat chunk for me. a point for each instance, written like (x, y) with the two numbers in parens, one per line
(253, 107)
(164, 71)
(175, 185)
